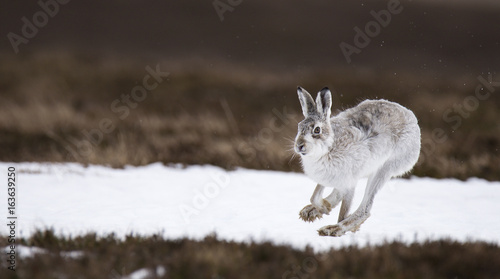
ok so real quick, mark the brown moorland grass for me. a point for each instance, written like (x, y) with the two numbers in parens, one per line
(53, 104)
(111, 257)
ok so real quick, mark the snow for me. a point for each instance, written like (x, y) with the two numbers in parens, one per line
(29, 252)
(147, 273)
(26, 252)
(240, 205)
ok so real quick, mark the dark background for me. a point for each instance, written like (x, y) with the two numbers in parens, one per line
(443, 37)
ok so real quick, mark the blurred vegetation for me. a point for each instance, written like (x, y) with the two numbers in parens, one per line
(53, 104)
(111, 257)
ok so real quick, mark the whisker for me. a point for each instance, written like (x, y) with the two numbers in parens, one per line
(291, 159)
(290, 141)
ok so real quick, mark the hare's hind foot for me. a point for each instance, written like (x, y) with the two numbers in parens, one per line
(349, 224)
(336, 230)
(310, 212)
(332, 230)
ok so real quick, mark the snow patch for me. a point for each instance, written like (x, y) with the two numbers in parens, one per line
(240, 205)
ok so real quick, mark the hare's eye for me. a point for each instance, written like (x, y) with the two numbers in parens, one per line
(317, 130)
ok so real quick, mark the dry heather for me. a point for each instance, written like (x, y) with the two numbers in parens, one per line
(53, 105)
(110, 257)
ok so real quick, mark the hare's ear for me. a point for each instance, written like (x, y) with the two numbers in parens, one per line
(324, 102)
(306, 101)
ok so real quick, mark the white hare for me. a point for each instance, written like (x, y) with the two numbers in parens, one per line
(377, 139)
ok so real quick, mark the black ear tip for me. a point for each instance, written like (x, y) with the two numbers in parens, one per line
(299, 88)
(325, 89)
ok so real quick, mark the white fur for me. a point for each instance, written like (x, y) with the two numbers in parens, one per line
(377, 139)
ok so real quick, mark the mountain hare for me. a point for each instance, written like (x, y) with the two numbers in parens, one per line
(377, 139)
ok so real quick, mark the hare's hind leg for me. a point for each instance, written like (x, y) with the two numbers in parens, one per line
(346, 204)
(354, 221)
(320, 206)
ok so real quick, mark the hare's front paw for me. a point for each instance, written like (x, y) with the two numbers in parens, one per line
(310, 212)
(332, 230)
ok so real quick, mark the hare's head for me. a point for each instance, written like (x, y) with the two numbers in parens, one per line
(315, 135)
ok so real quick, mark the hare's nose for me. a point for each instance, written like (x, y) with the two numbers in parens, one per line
(301, 147)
